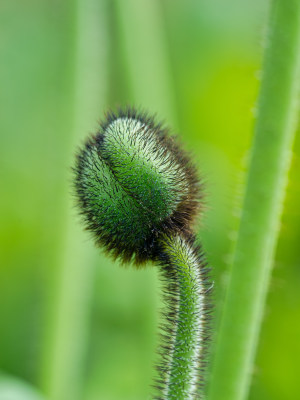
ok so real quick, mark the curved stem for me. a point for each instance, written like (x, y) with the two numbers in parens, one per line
(186, 327)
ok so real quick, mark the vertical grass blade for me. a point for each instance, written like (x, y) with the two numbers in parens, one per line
(143, 45)
(254, 253)
(73, 283)
(146, 55)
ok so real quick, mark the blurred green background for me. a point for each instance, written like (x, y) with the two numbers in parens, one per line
(73, 324)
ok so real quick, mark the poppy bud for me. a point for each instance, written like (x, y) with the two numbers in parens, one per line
(133, 183)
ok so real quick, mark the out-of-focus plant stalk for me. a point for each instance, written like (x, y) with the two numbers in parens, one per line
(255, 248)
(67, 335)
(146, 55)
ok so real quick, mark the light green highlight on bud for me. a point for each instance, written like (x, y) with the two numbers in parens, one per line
(143, 166)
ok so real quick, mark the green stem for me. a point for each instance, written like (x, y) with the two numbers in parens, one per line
(186, 322)
(68, 326)
(146, 56)
(254, 253)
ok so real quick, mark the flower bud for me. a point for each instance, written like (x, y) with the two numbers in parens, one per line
(133, 183)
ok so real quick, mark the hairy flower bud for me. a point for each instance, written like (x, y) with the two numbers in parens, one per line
(133, 183)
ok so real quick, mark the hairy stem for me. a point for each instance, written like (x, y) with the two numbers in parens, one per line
(277, 112)
(186, 321)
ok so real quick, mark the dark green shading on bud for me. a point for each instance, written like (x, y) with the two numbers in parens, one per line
(134, 183)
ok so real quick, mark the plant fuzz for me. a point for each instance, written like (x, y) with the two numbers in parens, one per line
(185, 330)
(139, 195)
